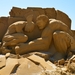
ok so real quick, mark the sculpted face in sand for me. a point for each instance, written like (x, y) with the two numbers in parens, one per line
(42, 21)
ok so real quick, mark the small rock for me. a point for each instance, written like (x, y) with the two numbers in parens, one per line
(73, 60)
(66, 62)
(64, 69)
(61, 62)
(72, 57)
(7, 55)
(72, 67)
(63, 73)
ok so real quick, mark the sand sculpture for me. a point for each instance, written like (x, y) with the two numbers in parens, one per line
(40, 31)
(21, 36)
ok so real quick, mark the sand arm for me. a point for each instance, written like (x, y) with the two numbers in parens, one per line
(39, 44)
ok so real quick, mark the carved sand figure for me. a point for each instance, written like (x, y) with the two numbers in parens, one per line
(45, 30)
(15, 33)
(44, 41)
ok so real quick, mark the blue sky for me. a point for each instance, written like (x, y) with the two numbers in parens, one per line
(67, 6)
